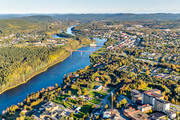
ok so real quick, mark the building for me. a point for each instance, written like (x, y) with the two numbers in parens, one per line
(153, 91)
(145, 108)
(161, 105)
(154, 98)
(149, 96)
(107, 114)
(157, 116)
(135, 114)
(116, 115)
(77, 110)
(34, 117)
(97, 88)
(134, 92)
(52, 111)
(136, 96)
(171, 114)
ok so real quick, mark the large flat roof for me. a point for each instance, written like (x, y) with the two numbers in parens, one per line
(136, 114)
(157, 115)
(153, 93)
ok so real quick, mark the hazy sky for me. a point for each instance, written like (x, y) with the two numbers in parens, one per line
(89, 6)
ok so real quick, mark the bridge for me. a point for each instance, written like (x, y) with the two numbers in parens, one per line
(82, 51)
(96, 46)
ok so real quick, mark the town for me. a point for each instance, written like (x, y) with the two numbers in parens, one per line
(135, 75)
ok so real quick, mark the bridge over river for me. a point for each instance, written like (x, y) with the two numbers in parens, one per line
(85, 51)
(50, 77)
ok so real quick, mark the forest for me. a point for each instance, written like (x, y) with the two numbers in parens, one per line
(20, 59)
(18, 63)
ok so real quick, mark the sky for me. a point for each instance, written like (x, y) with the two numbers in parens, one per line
(89, 6)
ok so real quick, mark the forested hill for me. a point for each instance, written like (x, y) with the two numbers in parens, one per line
(118, 17)
(26, 23)
(27, 47)
(8, 16)
(39, 18)
(89, 17)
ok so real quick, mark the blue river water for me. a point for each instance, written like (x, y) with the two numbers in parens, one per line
(50, 77)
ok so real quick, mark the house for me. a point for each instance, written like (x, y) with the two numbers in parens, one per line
(97, 88)
(77, 110)
(107, 114)
(24, 111)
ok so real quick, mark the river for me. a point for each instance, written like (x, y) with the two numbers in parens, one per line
(50, 77)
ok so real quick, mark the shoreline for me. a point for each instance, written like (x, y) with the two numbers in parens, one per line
(40, 71)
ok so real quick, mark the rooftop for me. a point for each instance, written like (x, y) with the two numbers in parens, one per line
(144, 106)
(162, 101)
(157, 115)
(135, 114)
(135, 91)
(154, 92)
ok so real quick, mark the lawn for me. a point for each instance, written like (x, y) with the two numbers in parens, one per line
(84, 110)
(95, 101)
(60, 99)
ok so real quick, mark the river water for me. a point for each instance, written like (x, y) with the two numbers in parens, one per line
(50, 77)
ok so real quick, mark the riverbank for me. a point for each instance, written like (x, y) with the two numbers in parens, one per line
(40, 96)
(53, 75)
(27, 79)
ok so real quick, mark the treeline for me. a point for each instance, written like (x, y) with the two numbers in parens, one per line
(65, 35)
(119, 17)
(29, 24)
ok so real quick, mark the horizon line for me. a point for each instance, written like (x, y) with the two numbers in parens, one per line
(94, 13)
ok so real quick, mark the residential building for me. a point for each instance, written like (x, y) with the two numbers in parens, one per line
(97, 88)
(107, 114)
